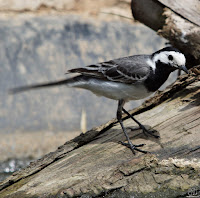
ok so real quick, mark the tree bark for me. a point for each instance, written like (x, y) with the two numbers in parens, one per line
(177, 21)
(95, 164)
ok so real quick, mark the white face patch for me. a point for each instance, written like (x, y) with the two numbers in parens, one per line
(178, 58)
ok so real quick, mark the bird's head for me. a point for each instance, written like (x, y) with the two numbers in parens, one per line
(172, 57)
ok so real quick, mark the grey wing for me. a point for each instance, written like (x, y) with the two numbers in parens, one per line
(127, 70)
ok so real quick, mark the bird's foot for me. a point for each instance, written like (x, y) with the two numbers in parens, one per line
(149, 132)
(134, 147)
(146, 131)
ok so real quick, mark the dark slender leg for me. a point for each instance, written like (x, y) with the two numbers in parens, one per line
(145, 131)
(129, 144)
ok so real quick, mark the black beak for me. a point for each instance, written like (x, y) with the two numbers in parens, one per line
(183, 67)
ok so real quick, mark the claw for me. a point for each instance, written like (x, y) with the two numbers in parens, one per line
(145, 131)
(134, 147)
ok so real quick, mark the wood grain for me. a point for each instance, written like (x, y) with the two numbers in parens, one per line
(95, 163)
(189, 9)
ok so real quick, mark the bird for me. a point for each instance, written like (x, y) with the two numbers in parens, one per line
(123, 79)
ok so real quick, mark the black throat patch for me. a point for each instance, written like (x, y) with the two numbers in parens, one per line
(158, 77)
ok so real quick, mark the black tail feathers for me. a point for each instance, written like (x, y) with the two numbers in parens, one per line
(37, 86)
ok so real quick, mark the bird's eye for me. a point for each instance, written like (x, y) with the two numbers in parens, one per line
(170, 57)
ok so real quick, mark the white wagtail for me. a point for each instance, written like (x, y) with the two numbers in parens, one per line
(123, 79)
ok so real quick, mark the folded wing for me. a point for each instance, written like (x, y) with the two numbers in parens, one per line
(126, 70)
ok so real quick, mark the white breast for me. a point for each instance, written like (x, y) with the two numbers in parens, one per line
(114, 90)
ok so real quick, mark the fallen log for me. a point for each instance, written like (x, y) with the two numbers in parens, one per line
(95, 164)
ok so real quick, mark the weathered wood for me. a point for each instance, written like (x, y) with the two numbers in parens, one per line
(175, 21)
(182, 33)
(189, 9)
(95, 163)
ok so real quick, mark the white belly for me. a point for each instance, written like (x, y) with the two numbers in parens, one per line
(114, 90)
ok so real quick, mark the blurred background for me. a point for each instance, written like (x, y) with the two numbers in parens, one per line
(41, 40)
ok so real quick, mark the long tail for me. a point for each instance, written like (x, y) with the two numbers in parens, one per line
(42, 85)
